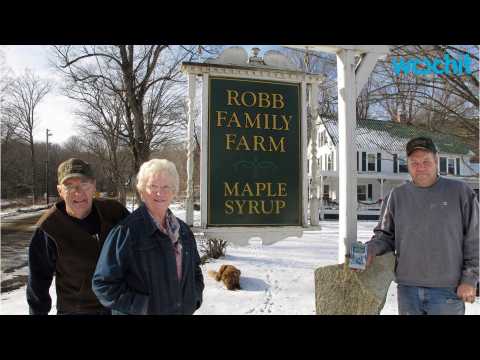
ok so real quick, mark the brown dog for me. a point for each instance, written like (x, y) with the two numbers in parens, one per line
(229, 275)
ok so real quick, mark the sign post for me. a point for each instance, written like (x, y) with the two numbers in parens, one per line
(354, 65)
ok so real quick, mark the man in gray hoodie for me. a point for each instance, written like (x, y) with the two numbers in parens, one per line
(431, 223)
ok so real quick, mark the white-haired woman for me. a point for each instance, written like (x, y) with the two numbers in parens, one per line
(149, 263)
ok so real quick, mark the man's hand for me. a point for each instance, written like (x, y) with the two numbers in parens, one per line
(466, 293)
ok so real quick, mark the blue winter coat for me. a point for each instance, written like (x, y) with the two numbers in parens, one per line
(136, 272)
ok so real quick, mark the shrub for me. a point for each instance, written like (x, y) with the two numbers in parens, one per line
(213, 249)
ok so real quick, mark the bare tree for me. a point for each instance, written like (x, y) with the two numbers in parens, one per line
(7, 124)
(165, 114)
(101, 114)
(73, 146)
(318, 63)
(395, 94)
(132, 73)
(23, 96)
(5, 77)
(446, 103)
(364, 100)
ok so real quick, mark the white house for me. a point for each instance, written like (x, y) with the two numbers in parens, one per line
(381, 162)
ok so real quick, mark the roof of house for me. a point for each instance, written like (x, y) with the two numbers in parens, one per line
(392, 136)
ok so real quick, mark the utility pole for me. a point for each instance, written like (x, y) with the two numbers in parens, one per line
(48, 133)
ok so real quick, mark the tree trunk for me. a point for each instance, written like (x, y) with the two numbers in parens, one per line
(142, 148)
(142, 155)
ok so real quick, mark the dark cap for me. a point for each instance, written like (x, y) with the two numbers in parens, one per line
(422, 143)
(74, 168)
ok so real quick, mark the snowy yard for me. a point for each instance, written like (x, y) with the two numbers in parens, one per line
(276, 280)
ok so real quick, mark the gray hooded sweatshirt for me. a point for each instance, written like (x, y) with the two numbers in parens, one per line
(433, 232)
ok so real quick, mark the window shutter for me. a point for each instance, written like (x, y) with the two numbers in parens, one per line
(395, 163)
(379, 162)
(357, 160)
(364, 161)
(458, 166)
(370, 191)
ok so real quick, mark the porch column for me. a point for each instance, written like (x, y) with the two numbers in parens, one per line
(347, 150)
(321, 198)
(314, 201)
(190, 149)
(381, 188)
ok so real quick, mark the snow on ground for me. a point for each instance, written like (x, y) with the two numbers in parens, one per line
(21, 212)
(17, 215)
(276, 280)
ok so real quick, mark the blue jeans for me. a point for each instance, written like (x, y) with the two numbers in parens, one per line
(415, 300)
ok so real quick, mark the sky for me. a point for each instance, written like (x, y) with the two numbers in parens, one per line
(55, 111)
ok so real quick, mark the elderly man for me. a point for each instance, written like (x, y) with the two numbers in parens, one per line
(67, 243)
(431, 223)
(149, 264)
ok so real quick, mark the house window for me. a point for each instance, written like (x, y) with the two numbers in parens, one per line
(326, 192)
(323, 138)
(451, 166)
(370, 191)
(330, 162)
(395, 163)
(443, 166)
(402, 166)
(361, 192)
(371, 162)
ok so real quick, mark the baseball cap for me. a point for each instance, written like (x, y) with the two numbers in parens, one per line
(423, 143)
(74, 168)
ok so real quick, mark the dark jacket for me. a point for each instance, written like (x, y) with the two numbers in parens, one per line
(136, 272)
(63, 248)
